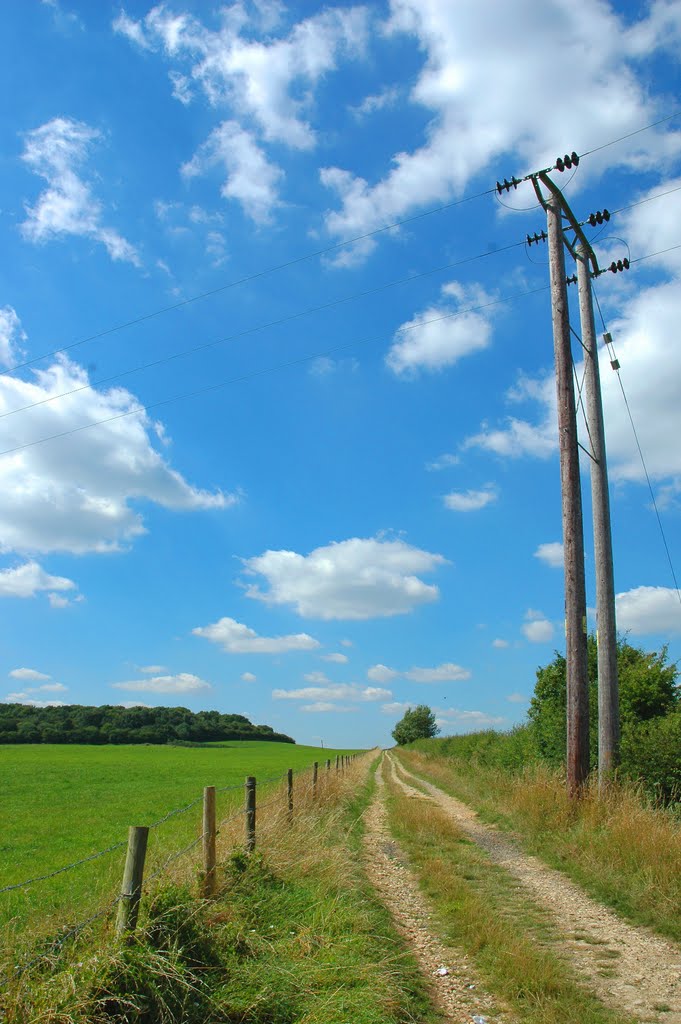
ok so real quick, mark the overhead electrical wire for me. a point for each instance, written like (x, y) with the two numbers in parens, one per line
(306, 312)
(245, 280)
(333, 247)
(616, 367)
(141, 409)
(262, 327)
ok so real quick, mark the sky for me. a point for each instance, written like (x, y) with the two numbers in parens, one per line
(277, 402)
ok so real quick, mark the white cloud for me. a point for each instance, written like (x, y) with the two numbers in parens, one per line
(466, 721)
(316, 677)
(76, 493)
(395, 708)
(470, 501)
(337, 658)
(29, 579)
(440, 336)
(183, 682)
(517, 698)
(324, 706)
(59, 601)
(30, 674)
(346, 643)
(251, 179)
(237, 638)
(445, 461)
(447, 672)
(551, 554)
(56, 151)
(334, 692)
(152, 670)
(386, 98)
(537, 628)
(500, 644)
(11, 335)
(474, 121)
(267, 82)
(22, 698)
(381, 674)
(248, 677)
(645, 610)
(351, 579)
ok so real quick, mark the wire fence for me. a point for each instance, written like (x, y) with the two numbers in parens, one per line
(126, 902)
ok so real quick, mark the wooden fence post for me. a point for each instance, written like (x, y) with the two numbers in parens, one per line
(133, 873)
(250, 814)
(315, 769)
(328, 766)
(289, 790)
(208, 886)
(337, 761)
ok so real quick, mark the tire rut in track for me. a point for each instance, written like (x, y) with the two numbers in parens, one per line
(458, 994)
(644, 969)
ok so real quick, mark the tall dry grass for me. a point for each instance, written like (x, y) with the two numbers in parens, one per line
(620, 847)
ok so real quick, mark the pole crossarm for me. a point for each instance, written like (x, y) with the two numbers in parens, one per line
(587, 251)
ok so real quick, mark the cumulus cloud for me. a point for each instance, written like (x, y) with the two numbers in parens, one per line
(470, 501)
(551, 554)
(351, 579)
(445, 461)
(23, 698)
(152, 670)
(76, 493)
(500, 644)
(646, 610)
(30, 674)
(537, 628)
(466, 721)
(236, 638)
(447, 672)
(473, 122)
(517, 698)
(334, 692)
(441, 335)
(336, 657)
(57, 152)
(11, 336)
(381, 674)
(395, 708)
(183, 682)
(266, 84)
(248, 677)
(29, 579)
(251, 178)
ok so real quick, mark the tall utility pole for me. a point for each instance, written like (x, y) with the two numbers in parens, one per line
(573, 538)
(608, 687)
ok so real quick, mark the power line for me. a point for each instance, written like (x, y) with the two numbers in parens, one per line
(616, 367)
(260, 327)
(293, 262)
(260, 373)
(630, 135)
(246, 280)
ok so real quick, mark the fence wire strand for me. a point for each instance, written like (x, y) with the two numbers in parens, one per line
(67, 867)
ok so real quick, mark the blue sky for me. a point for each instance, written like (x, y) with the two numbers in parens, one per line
(330, 488)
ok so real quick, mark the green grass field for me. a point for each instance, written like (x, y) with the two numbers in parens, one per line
(62, 803)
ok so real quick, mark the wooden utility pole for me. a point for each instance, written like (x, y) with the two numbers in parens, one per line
(573, 538)
(608, 687)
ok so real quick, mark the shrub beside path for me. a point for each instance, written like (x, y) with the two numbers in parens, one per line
(644, 969)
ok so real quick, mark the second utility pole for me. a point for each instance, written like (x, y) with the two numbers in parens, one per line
(608, 688)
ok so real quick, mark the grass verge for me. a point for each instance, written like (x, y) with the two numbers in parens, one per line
(295, 935)
(480, 908)
(620, 849)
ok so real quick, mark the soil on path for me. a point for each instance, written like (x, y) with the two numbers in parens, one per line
(644, 970)
(457, 991)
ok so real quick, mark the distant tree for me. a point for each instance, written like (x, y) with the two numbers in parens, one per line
(417, 724)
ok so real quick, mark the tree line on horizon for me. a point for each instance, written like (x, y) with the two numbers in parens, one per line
(111, 723)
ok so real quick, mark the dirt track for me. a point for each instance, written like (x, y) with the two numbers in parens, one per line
(645, 969)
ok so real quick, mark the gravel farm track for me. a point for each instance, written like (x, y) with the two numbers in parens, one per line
(645, 971)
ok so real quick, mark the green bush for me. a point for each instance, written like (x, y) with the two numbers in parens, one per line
(651, 756)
